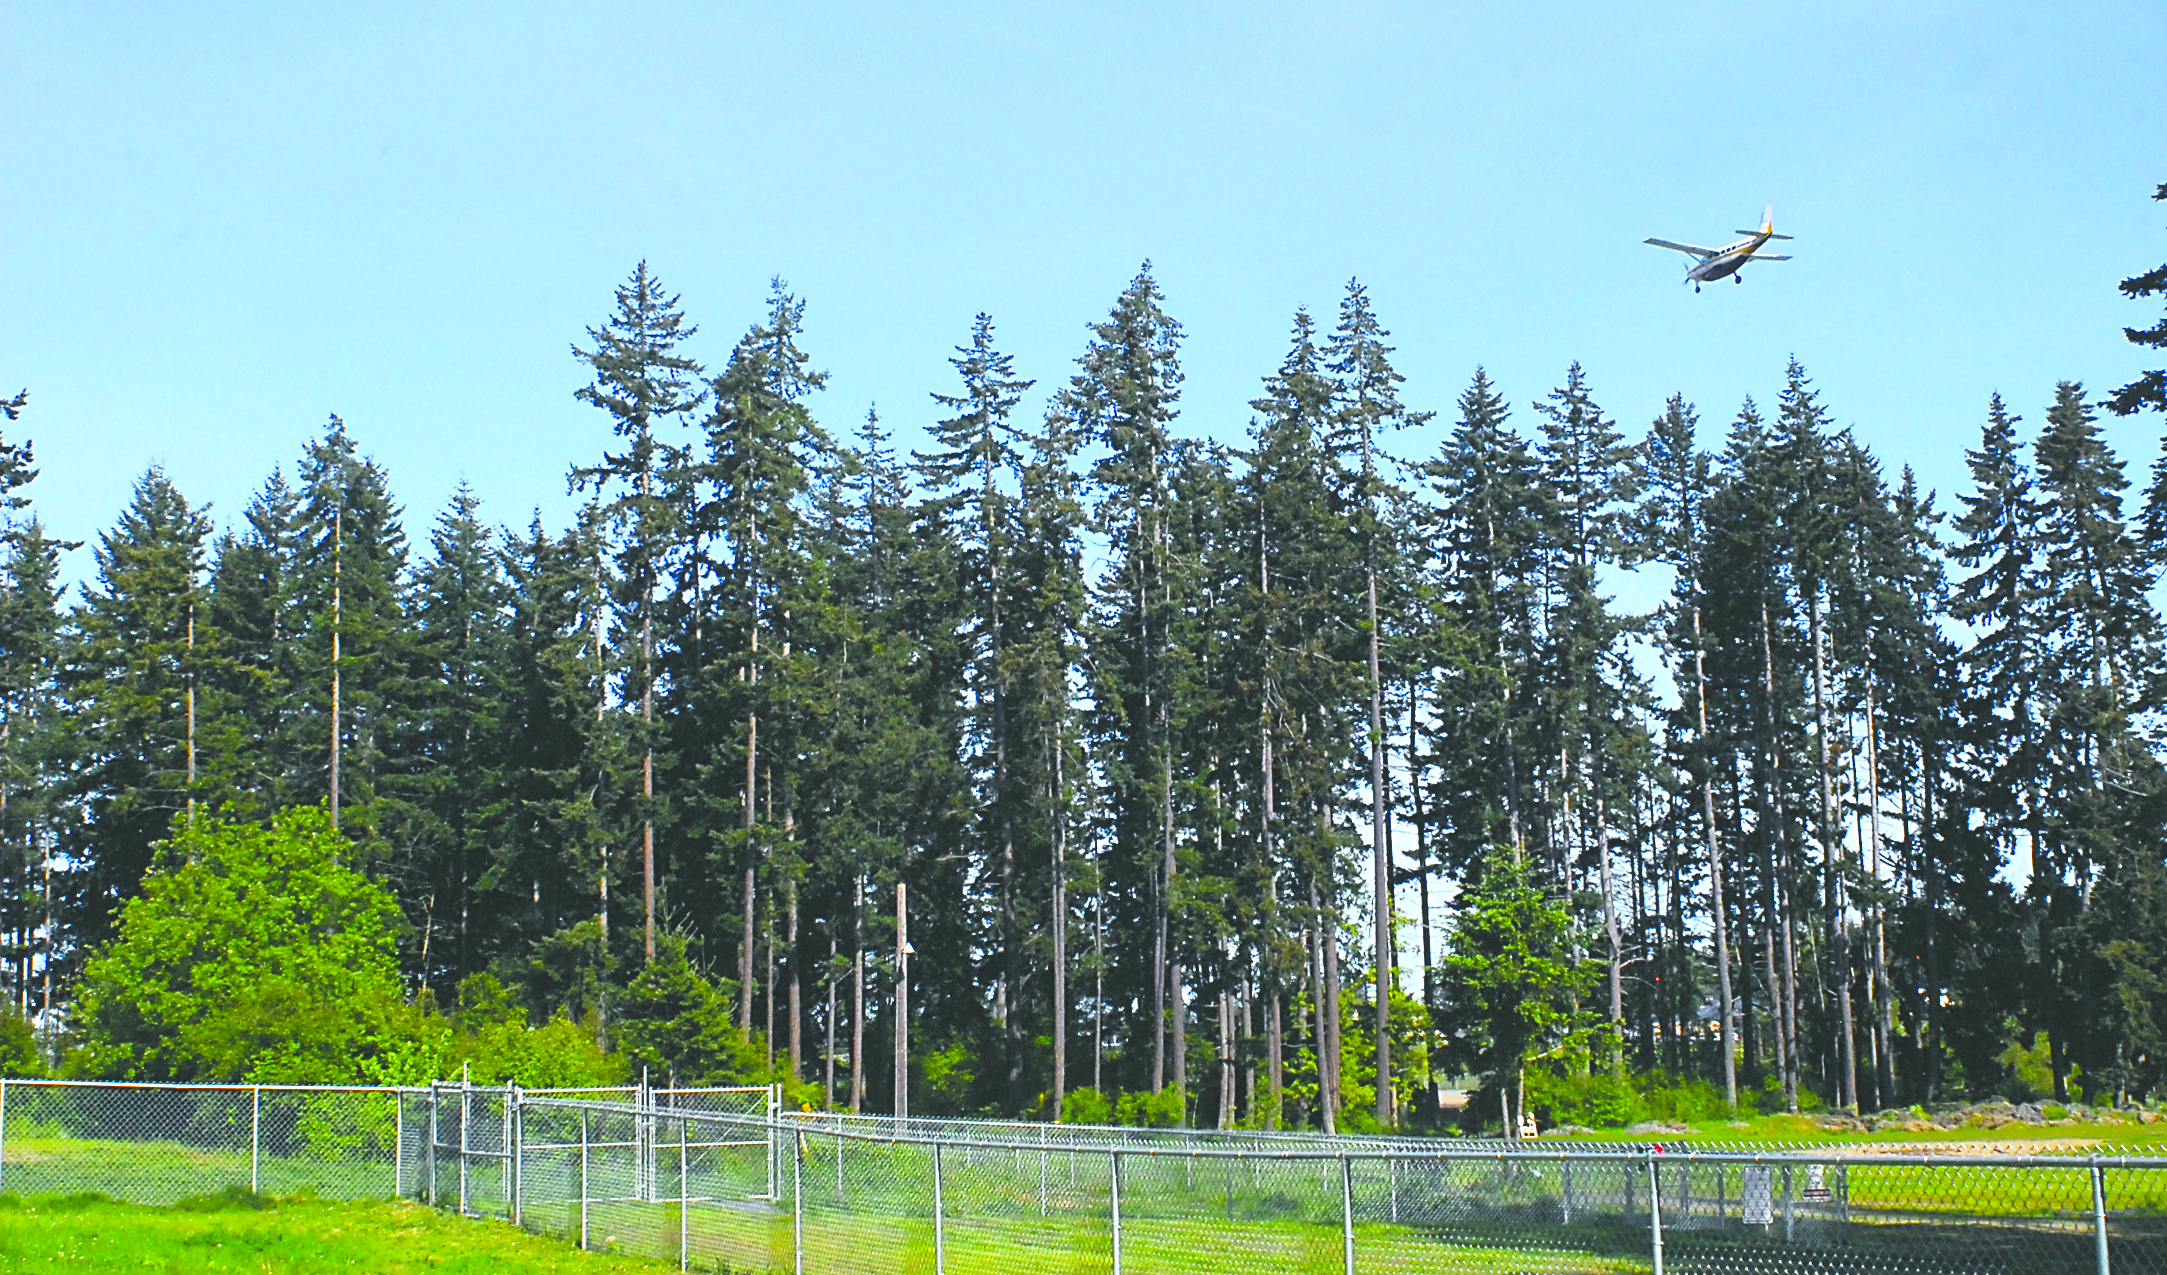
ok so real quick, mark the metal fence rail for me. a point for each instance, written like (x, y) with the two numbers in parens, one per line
(723, 1179)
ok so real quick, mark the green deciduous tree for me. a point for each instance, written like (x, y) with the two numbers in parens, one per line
(255, 952)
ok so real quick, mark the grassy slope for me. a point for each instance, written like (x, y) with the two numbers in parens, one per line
(296, 1238)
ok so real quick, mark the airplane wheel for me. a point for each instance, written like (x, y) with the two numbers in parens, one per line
(1696, 287)
(1738, 278)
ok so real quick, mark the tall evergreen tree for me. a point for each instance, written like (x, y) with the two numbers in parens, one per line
(1368, 404)
(968, 479)
(1124, 396)
(128, 680)
(645, 384)
(352, 685)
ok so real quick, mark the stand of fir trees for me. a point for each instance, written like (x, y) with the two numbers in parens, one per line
(1168, 747)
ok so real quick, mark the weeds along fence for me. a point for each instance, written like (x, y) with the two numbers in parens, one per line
(725, 1180)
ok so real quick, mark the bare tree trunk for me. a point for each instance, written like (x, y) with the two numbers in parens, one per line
(1721, 920)
(857, 1001)
(1612, 935)
(1380, 854)
(1327, 1109)
(1832, 864)
(647, 771)
(1226, 1059)
(827, 1086)
(797, 1014)
(191, 706)
(1177, 997)
(1059, 921)
(1328, 1010)
(752, 757)
(1779, 896)
(902, 1002)
(1885, 1000)
(337, 553)
(1422, 883)
(601, 702)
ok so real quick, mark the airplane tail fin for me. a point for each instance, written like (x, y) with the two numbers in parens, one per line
(1768, 225)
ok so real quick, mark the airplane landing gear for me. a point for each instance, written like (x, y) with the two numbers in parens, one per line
(1738, 278)
(1696, 287)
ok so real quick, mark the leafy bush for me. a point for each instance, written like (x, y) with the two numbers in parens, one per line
(1691, 1100)
(20, 1056)
(496, 1044)
(253, 954)
(1086, 1106)
(2027, 1073)
(1161, 1110)
(1598, 1100)
(948, 1079)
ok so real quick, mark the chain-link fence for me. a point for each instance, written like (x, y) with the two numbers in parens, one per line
(723, 1180)
(154, 1144)
(765, 1190)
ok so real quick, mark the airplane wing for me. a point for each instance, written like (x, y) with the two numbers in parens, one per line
(1762, 256)
(1755, 232)
(1681, 247)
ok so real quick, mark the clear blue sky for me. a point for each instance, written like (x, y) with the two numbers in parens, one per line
(222, 222)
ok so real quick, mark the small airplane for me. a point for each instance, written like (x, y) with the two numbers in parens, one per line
(1715, 263)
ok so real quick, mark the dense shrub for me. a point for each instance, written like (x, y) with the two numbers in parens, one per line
(253, 954)
(1086, 1106)
(1598, 1100)
(1145, 1109)
(495, 1044)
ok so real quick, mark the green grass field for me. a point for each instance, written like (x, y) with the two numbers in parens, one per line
(294, 1237)
(2116, 1138)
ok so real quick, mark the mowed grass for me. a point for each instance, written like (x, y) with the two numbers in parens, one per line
(2116, 1137)
(88, 1233)
(292, 1237)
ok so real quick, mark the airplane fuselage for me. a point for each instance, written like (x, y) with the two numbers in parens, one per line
(1726, 262)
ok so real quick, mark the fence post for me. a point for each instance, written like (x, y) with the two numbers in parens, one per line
(398, 1144)
(583, 1178)
(466, 1119)
(1116, 1197)
(431, 1150)
(774, 1134)
(2099, 1213)
(1655, 1211)
(1565, 1189)
(255, 1139)
(1346, 1211)
(940, 1225)
(684, 1195)
(797, 1208)
(515, 1143)
(3, 1128)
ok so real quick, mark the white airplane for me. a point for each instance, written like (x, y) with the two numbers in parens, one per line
(1714, 263)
